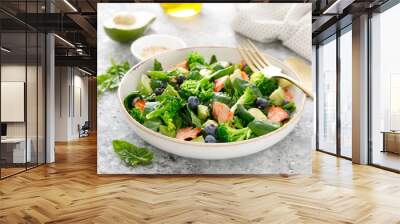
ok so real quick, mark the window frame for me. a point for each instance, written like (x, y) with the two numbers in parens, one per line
(334, 37)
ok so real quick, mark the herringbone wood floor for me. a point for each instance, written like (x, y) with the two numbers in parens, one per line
(70, 191)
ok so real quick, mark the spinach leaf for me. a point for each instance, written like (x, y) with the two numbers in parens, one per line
(153, 124)
(239, 86)
(149, 107)
(262, 127)
(195, 120)
(178, 120)
(164, 130)
(194, 75)
(213, 59)
(109, 81)
(158, 75)
(223, 98)
(157, 65)
(131, 154)
(128, 100)
(247, 70)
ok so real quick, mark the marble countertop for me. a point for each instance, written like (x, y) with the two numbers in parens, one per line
(291, 155)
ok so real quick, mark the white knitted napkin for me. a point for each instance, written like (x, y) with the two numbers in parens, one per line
(267, 22)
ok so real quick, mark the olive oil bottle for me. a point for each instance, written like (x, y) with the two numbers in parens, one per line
(181, 10)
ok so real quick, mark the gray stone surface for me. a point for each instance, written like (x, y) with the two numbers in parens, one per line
(212, 27)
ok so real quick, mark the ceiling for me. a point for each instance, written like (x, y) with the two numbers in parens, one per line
(331, 15)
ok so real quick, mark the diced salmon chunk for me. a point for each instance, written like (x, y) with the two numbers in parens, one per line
(140, 104)
(220, 83)
(183, 64)
(222, 112)
(244, 75)
(277, 114)
(187, 133)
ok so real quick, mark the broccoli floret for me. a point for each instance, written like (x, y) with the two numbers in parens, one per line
(225, 133)
(189, 88)
(247, 99)
(137, 115)
(206, 91)
(290, 107)
(256, 77)
(264, 84)
(268, 85)
(166, 110)
(237, 122)
(195, 58)
(203, 90)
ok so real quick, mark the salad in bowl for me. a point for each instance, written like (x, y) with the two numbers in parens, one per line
(209, 100)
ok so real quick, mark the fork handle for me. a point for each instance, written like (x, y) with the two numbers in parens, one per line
(296, 83)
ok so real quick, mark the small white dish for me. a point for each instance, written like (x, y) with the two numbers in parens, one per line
(150, 44)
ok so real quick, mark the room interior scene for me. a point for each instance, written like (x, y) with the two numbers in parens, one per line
(49, 123)
(334, 60)
(28, 59)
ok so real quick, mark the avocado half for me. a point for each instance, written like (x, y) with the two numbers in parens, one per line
(127, 26)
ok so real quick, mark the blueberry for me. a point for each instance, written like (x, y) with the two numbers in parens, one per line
(210, 139)
(193, 102)
(180, 79)
(210, 129)
(261, 103)
(158, 91)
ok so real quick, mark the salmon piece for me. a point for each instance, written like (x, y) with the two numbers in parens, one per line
(244, 75)
(220, 83)
(277, 114)
(140, 104)
(222, 112)
(288, 96)
(183, 64)
(187, 133)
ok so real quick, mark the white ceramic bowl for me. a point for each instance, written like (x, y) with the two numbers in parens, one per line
(201, 150)
(155, 40)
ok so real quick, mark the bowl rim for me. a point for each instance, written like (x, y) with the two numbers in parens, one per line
(137, 54)
(217, 144)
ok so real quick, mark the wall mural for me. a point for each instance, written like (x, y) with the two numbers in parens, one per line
(188, 91)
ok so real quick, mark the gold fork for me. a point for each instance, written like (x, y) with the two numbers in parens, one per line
(257, 62)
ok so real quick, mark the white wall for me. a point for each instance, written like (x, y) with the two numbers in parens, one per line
(62, 81)
(15, 72)
(34, 125)
(70, 83)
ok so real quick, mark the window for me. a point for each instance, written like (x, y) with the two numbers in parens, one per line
(22, 75)
(385, 89)
(327, 96)
(346, 93)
